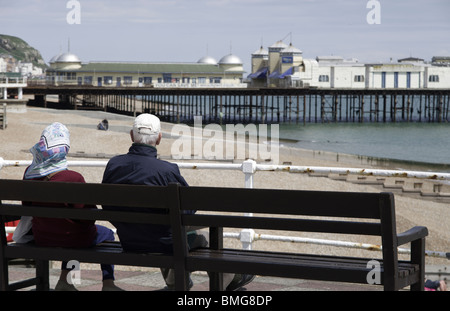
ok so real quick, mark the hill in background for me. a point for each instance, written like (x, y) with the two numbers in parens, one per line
(21, 51)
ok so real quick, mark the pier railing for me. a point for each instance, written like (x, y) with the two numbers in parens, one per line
(249, 169)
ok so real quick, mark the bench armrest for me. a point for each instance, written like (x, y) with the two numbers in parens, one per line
(412, 235)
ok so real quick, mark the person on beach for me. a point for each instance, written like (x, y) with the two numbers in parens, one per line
(439, 285)
(50, 165)
(141, 166)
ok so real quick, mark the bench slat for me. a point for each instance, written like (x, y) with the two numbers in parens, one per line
(85, 193)
(294, 202)
(97, 254)
(87, 214)
(290, 265)
(287, 224)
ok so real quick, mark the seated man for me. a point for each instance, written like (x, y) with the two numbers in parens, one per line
(140, 166)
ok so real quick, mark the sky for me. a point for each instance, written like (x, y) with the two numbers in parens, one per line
(186, 30)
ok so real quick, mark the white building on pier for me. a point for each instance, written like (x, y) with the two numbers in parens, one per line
(10, 80)
(67, 69)
(284, 66)
(280, 65)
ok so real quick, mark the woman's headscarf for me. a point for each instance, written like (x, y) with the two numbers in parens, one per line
(49, 154)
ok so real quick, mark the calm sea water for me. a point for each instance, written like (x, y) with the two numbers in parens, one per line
(427, 143)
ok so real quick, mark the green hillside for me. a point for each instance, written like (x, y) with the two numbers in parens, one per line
(21, 51)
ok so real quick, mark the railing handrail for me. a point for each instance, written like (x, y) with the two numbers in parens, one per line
(249, 167)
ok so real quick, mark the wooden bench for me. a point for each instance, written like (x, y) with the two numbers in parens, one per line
(285, 210)
(157, 198)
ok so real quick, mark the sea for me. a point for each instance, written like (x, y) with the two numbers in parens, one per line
(425, 145)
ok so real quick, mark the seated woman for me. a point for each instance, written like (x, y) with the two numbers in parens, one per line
(50, 165)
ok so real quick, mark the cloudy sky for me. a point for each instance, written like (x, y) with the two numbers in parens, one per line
(186, 30)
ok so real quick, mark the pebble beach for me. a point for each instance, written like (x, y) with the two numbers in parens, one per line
(89, 143)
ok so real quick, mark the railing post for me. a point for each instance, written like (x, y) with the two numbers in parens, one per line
(247, 235)
(249, 169)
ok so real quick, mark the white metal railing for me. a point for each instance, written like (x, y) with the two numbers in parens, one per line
(250, 167)
(199, 85)
(59, 81)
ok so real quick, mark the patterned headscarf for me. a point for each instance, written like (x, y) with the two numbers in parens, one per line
(49, 154)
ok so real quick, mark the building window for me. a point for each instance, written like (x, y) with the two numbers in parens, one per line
(88, 80)
(324, 78)
(202, 80)
(215, 80)
(108, 80)
(147, 80)
(359, 78)
(167, 77)
(71, 76)
(433, 78)
(127, 80)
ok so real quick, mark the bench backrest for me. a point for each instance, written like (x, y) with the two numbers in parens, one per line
(274, 209)
(283, 210)
(374, 206)
(135, 196)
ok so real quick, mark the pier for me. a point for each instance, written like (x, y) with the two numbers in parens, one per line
(256, 105)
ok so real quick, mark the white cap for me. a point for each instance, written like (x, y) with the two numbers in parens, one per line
(147, 124)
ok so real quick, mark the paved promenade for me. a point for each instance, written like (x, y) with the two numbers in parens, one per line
(151, 280)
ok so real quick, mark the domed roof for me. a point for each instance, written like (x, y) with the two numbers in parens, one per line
(230, 59)
(54, 58)
(68, 58)
(207, 60)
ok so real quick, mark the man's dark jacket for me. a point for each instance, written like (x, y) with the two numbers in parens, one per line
(140, 166)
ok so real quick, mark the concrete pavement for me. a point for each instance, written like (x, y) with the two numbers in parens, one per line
(151, 280)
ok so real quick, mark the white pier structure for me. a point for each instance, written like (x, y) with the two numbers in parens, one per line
(9, 81)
